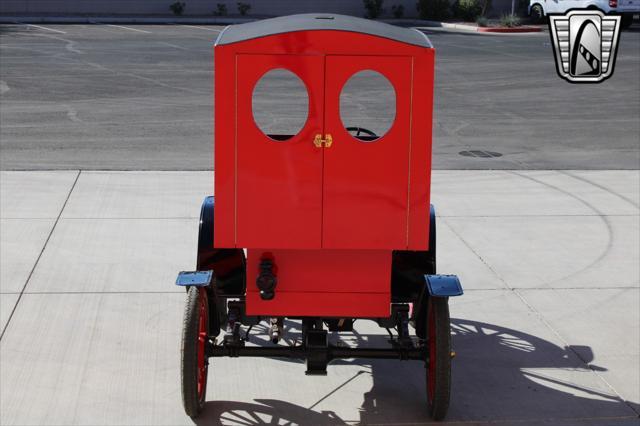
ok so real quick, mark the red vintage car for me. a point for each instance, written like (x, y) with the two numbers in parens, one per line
(327, 225)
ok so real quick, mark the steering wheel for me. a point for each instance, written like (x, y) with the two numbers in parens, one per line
(361, 130)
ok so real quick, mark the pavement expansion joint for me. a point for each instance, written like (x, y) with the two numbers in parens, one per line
(575, 352)
(35, 265)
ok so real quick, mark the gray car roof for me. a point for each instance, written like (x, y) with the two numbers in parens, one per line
(320, 21)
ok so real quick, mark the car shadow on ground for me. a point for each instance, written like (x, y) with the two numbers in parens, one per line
(499, 374)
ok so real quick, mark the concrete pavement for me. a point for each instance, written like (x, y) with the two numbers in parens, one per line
(547, 332)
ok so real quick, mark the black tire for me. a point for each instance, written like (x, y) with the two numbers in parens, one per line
(409, 267)
(229, 266)
(194, 383)
(626, 21)
(537, 14)
(439, 363)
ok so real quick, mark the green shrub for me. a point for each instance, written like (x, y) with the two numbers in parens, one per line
(397, 10)
(221, 10)
(243, 8)
(433, 9)
(482, 21)
(178, 7)
(510, 20)
(467, 10)
(373, 7)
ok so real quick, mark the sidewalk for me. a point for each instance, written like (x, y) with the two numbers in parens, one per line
(547, 330)
(127, 19)
(471, 27)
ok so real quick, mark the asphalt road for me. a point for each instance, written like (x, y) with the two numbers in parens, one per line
(140, 98)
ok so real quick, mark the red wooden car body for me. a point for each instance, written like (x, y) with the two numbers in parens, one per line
(328, 214)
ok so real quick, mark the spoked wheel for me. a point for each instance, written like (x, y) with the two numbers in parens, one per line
(439, 362)
(195, 363)
(537, 14)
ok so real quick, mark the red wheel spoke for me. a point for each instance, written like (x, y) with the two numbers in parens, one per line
(202, 338)
(195, 363)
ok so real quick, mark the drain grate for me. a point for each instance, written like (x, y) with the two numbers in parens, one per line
(480, 154)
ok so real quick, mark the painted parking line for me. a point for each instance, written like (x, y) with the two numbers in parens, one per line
(45, 28)
(201, 28)
(128, 28)
(175, 46)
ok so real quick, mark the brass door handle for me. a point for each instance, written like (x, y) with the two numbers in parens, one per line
(320, 143)
(328, 140)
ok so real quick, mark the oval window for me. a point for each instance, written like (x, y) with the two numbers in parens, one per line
(280, 104)
(368, 105)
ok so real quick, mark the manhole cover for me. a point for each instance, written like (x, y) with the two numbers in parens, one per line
(480, 154)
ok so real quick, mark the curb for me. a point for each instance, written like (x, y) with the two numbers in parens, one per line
(217, 20)
(522, 29)
(25, 19)
(167, 19)
(205, 20)
(463, 27)
(476, 29)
